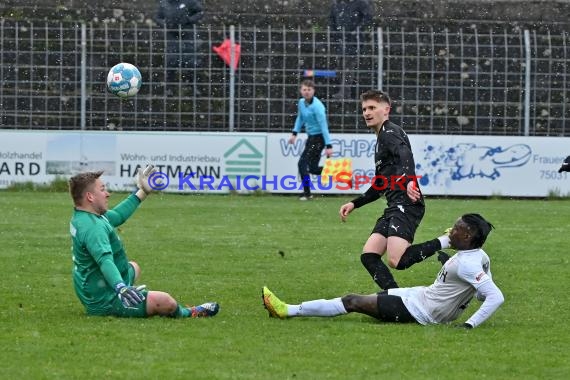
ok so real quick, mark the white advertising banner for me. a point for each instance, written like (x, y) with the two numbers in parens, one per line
(187, 162)
(246, 162)
(451, 165)
(491, 165)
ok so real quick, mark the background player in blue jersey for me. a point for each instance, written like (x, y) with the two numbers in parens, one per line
(312, 115)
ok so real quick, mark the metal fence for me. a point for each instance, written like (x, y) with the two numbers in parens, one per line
(475, 80)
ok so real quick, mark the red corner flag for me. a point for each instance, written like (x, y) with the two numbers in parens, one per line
(224, 52)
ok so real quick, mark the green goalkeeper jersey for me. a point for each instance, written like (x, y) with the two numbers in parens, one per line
(99, 258)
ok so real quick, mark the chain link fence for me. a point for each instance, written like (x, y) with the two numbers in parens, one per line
(493, 81)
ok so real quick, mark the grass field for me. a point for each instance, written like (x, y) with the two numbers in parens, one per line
(225, 248)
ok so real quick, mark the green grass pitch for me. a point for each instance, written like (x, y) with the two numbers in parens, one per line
(225, 248)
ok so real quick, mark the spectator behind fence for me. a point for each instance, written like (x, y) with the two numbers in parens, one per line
(179, 18)
(347, 18)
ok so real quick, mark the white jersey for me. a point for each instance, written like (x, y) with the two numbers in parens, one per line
(454, 287)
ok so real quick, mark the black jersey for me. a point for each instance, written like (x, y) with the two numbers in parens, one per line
(394, 168)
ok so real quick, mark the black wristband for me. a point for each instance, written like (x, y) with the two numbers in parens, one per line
(329, 146)
(294, 133)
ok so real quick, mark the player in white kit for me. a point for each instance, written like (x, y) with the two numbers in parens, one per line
(465, 275)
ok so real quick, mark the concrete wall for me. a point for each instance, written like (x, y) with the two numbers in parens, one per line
(308, 13)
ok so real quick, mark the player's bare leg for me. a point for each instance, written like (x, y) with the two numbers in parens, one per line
(396, 246)
(137, 269)
(376, 243)
(361, 304)
(161, 303)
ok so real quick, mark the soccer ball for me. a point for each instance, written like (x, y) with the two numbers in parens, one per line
(124, 80)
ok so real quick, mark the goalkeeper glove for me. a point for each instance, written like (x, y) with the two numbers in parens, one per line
(143, 176)
(130, 296)
(565, 165)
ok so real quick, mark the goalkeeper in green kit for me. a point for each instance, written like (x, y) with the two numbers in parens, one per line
(103, 277)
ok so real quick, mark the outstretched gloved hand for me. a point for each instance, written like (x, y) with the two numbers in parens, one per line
(143, 176)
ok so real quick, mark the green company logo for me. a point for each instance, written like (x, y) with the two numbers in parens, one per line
(243, 159)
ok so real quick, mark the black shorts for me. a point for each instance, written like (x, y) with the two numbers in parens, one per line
(392, 309)
(402, 221)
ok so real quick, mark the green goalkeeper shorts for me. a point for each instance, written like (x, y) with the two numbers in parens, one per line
(139, 311)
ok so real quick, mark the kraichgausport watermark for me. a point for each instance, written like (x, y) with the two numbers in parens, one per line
(341, 181)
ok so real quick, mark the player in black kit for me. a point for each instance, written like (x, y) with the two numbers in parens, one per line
(395, 178)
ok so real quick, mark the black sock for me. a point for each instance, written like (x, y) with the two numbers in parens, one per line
(378, 270)
(418, 252)
(307, 186)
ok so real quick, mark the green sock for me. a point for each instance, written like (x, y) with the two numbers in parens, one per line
(181, 312)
